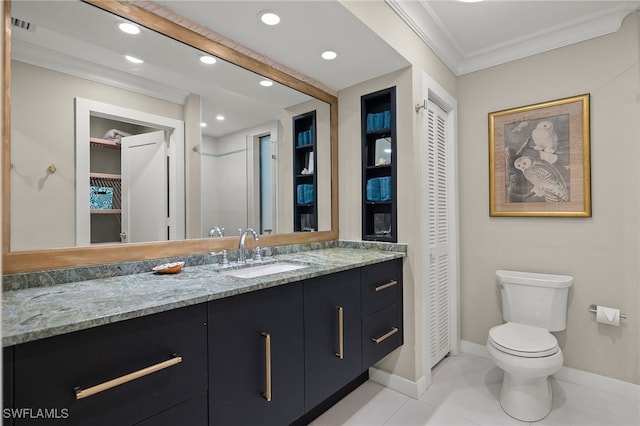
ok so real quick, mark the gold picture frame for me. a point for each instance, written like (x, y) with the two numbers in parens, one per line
(539, 162)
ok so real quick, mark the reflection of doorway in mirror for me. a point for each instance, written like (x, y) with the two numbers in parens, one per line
(231, 180)
(136, 158)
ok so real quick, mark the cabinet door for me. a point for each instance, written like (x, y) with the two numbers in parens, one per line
(7, 384)
(332, 330)
(48, 371)
(256, 363)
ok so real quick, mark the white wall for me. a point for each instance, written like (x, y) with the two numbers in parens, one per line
(42, 133)
(600, 252)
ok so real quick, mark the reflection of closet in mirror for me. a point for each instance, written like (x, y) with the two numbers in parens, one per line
(128, 168)
(304, 169)
(105, 177)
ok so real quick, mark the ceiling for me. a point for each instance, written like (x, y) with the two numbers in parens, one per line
(466, 36)
(307, 28)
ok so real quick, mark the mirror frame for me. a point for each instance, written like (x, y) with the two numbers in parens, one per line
(57, 258)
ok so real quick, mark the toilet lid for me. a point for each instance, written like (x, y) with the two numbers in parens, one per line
(523, 340)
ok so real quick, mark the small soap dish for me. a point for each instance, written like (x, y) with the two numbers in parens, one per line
(169, 268)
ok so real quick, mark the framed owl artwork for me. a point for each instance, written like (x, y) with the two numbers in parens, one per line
(539, 163)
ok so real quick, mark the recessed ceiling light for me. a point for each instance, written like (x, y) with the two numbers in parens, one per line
(203, 124)
(129, 28)
(207, 59)
(266, 83)
(220, 117)
(269, 18)
(329, 55)
(133, 59)
(470, 1)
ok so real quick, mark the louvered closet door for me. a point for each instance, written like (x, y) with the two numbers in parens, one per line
(438, 267)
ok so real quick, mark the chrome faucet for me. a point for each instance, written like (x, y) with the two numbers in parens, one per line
(216, 230)
(242, 253)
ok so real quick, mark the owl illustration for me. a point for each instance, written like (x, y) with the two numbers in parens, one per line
(544, 137)
(546, 179)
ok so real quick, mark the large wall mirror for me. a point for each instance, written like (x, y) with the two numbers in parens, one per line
(112, 160)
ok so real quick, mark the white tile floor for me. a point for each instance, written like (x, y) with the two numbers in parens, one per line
(464, 391)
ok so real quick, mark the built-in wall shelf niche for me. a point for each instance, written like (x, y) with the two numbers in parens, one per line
(305, 193)
(379, 165)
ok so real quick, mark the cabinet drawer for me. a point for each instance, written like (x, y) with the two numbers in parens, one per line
(192, 412)
(381, 285)
(47, 372)
(381, 334)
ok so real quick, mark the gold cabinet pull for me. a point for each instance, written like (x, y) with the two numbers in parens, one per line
(340, 353)
(267, 366)
(83, 393)
(387, 285)
(385, 336)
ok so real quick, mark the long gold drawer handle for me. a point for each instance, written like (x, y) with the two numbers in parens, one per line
(384, 337)
(340, 353)
(387, 285)
(83, 393)
(267, 366)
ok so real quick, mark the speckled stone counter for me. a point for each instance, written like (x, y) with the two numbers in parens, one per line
(40, 312)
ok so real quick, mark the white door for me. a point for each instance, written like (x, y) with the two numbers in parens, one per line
(438, 231)
(440, 238)
(144, 188)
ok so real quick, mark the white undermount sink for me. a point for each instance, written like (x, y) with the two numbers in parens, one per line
(266, 269)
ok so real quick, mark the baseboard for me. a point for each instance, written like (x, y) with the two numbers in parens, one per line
(579, 377)
(474, 349)
(400, 384)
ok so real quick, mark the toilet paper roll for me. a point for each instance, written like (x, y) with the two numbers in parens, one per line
(609, 316)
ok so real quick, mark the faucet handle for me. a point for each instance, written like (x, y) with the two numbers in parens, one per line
(258, 256)
(224, 260)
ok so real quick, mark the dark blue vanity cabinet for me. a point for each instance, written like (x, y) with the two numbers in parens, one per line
(275, 356)
(60, 374)
(256, 358)
(332, 330)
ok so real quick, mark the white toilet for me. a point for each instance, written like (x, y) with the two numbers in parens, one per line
(532, 306)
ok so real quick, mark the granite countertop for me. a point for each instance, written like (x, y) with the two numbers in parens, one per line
(36, 313)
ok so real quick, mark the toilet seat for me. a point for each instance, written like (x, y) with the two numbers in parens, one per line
(523, 340)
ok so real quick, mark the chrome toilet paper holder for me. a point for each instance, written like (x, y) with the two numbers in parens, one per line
(594, 309)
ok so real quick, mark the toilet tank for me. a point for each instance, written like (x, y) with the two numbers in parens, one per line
(539, 300)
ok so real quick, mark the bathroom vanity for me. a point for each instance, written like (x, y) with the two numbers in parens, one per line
(202, 347)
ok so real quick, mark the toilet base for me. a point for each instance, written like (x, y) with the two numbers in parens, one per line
(527, 399)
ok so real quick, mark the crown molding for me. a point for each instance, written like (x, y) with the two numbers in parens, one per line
(419, 16)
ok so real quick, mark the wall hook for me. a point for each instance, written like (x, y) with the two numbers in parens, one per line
(419, 107)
